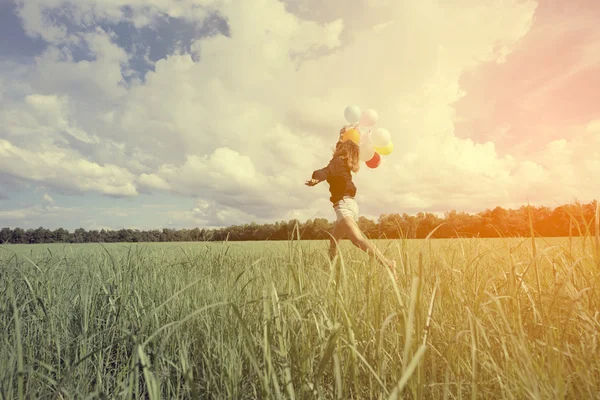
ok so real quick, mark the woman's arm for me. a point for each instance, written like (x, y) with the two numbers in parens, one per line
(321, 175)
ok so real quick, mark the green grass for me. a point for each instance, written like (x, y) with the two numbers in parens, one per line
(467, 318)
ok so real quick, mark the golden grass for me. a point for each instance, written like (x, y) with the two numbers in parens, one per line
(467, 318)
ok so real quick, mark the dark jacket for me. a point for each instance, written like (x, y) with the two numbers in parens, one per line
(339, 177)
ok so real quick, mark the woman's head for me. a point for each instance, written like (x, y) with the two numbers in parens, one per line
(349, 151)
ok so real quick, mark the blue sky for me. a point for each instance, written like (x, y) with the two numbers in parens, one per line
(207, 113)
(14, 43)
(145, 45)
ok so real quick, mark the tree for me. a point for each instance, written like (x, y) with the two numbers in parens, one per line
(5, 235)
(61, 235)
(576, 218)
(427, 223)
(79, 235)
(18, 236)
(368, 227)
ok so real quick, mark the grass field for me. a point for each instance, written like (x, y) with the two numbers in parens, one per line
(467, 318)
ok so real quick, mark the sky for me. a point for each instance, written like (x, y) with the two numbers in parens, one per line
(203, 113)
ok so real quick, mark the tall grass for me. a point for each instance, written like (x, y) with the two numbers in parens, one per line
(466, 318)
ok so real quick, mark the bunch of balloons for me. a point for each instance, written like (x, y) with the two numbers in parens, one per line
(373, 144)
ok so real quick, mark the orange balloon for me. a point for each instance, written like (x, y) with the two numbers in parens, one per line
(351, 134)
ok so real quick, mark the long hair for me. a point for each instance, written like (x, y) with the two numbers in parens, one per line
(349, 151)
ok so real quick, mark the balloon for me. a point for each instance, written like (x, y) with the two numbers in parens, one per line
(365, 136)
(366, 148)
(351, 134)
(352, 114)
(385, 150)
(366, 153)
(381, 137)
(368, 118)
(374, 162)
(363, 131)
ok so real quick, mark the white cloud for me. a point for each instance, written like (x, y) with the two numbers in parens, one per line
(51, 114)
(242, 121)
(231, 181)
(594, 127)
(37, 15)
(215, 214)
(47, 198)
(98, 227)
(99, 81)
(246, 90)
(65, 169)
(33, 212)
(152, 181)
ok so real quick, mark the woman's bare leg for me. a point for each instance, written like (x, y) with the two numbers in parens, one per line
(356, 237)
(338, 234)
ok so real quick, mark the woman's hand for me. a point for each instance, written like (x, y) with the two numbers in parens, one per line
(311, 182)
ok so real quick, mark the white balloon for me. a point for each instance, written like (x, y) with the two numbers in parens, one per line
(380, 137)
(365, 135)
(368, 118)
(352, 114)
(363, 132)
(367, 151)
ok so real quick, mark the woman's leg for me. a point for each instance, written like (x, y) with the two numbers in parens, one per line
(356, 237)
(337, 235)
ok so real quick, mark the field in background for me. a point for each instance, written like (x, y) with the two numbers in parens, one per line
(467, 318)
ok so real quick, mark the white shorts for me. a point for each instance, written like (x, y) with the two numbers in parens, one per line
(346, 207)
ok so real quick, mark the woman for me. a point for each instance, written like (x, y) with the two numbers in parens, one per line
(338, 174)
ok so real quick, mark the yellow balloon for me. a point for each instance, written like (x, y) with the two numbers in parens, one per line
(351, 134)
(384, 151)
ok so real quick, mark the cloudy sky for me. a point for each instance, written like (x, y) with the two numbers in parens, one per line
(183, 113)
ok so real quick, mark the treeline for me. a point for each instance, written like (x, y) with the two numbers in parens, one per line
(571, 219)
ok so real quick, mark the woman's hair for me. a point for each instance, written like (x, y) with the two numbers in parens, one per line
(349, 151)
